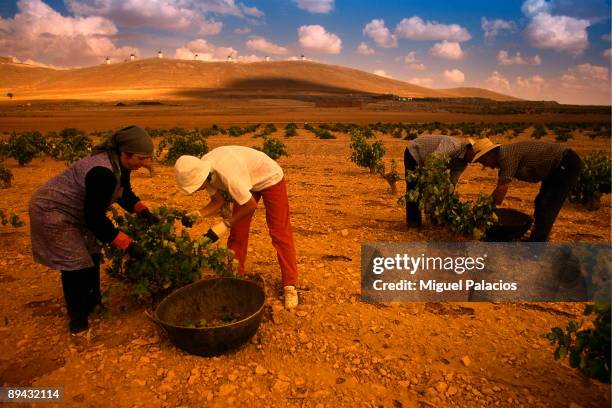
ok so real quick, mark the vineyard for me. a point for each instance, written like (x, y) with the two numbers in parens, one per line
(333, 350)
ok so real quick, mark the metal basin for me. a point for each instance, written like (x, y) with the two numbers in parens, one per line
(211, 299)
(511, 225)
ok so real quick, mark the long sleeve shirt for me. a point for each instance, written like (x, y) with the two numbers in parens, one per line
(100, 184)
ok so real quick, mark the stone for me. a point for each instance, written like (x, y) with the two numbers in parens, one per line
(466, 361)
(280, 387)
(259, 370)
(226, 389)
(441, 387)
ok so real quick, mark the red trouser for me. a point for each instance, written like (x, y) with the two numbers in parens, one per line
(279, 225)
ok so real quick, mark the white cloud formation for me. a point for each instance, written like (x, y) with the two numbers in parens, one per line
(411, 60)
(210, 27)
(261, 44)
(316, 6)
(415, 28)
(410, 57)
(591, 72)
(316, 38)
(381, 35)
(534, 84)
(454, 75)
(382, 73)
(205, 51)
(426, 81)
(497, 82)
(250, 58)
(492, 27)
(164, 14)
(531, 8)
(243, 30)
(251, 11)
(38, 32)
(503, 58)
(418, 66)
(607, 53)
(558, 32)
(447, 50)
(364, 49)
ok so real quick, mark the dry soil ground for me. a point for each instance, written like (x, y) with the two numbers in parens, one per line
(333, 350)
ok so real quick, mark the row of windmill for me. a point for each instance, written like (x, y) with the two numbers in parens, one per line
(160, 55)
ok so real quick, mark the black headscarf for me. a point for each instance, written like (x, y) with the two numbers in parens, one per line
(132, 139)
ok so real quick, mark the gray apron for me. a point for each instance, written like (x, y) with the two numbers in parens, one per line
(59, 234)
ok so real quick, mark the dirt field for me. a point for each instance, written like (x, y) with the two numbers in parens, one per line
(333, 350)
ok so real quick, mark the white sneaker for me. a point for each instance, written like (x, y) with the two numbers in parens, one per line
(291, 297)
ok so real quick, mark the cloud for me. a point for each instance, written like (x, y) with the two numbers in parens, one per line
(454, 75)
(497, 82)
(38, 32)
(316, 38)
(534, 84)
(160, 14)
(251, 11)
(316, 6)
(428, 82)
(261, 44)
(381, 35)
(447, 50)
(492, 27)
(250, 58)
(607, 53)
(364, 49)
(415, 28)
(418, 66)
(410, 57)
(210, 27)
(382, 73)
(503, 58)
(558, 32)
(411, 60)
(531, 8)
(205, 51)
(591, 72)
(243, 30)
(586, 83)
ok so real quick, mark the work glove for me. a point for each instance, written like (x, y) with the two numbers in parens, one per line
(149, 217)
(135, 251)
(217, 231)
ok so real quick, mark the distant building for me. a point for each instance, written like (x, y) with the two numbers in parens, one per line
(302, 57)
(195, 57)
(107, 61)
(160, 54)
(229, 58)
(267, 58)
(132, 57)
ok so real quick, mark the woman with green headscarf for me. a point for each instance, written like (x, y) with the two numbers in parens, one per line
(68, 217)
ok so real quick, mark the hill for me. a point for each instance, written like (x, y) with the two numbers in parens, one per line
(184, 79)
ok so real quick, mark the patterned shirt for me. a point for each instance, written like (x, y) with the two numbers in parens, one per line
(440, 145)
(529, 160)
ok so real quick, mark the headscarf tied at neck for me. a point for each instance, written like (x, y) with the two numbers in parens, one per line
(132, 139)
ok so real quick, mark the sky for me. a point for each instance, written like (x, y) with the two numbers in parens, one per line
(533, 49)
